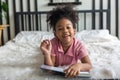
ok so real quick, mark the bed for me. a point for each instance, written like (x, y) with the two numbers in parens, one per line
(21, 57)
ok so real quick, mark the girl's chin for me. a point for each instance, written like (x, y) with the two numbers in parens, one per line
(66, 41)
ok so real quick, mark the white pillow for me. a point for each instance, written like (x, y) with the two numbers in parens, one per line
(94, 36)
(85, 36)
(31, 36)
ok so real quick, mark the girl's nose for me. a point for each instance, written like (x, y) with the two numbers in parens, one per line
(65, 30)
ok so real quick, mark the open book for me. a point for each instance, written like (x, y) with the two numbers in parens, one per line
(61, 70)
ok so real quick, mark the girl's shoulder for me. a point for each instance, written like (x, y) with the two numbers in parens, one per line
(78, 43)
(54, 41)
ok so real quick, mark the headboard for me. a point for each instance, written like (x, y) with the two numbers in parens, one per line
(89, 19)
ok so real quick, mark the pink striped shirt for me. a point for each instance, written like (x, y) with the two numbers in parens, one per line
(75, 52)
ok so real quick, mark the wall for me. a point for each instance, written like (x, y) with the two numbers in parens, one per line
(42, 6)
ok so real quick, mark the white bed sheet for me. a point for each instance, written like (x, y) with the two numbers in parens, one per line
(20, 58)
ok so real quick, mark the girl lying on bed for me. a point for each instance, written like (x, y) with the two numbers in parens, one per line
(64, 49)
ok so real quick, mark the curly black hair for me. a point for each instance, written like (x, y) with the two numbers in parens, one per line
(64, 11)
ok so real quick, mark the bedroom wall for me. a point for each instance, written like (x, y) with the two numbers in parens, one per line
(42, 6)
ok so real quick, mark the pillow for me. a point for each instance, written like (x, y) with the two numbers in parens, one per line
(31, 36)
(86, 36)
(95, 36)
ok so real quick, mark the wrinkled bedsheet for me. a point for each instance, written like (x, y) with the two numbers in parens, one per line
(20, 58)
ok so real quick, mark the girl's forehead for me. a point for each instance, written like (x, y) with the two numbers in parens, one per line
(64, 21)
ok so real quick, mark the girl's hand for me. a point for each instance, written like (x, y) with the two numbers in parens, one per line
(46, 47)
(73, 70)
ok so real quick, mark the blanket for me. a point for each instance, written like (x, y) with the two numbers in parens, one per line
(21, 58)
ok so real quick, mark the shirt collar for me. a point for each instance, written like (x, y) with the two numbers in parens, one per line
(69, 51)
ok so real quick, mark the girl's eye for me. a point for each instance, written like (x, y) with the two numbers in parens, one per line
(59, 29)
(68, 27)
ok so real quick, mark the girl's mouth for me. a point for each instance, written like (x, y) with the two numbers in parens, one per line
(66, 36)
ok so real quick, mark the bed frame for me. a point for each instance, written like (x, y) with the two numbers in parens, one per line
(36, 21)
(89, 19)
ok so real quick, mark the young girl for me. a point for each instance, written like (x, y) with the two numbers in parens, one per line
(64, 49)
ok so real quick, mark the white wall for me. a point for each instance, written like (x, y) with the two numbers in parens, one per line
(42, 6)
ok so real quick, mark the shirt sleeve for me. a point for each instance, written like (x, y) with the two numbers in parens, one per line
(81, 51)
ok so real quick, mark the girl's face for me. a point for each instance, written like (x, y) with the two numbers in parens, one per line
(64, 31)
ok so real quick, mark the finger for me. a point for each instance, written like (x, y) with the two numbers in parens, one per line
(69, 72)
(74, 74)
(78, 72)
(47, 42)
(50, 43)
(44, 41)
(43, 44)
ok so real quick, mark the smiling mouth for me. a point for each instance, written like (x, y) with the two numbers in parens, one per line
(66, 36)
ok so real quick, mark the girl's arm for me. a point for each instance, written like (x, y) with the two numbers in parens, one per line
(75, 69)
(46, 47)
(49, 60)
(85, 64)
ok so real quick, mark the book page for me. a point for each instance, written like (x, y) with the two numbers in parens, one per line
(61, 69)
